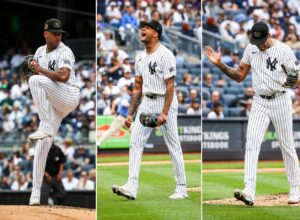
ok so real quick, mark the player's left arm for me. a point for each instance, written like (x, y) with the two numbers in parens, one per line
(59, 75)
(170, 87)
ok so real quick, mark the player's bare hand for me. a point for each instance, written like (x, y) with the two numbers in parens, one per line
(214, 57)
(128, 121)
(161, 119)
(34, 65)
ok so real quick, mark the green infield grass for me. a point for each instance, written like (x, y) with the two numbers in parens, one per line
(221, 185)
(156, 185)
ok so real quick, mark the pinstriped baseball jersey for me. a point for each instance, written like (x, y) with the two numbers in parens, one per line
(267, 73)
(62, 56)
(54, 101)
(268, 78)
(155, 68)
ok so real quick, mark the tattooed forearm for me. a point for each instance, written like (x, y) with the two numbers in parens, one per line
(135, 100)
(136, 95)
(169, 95)
(230, 72)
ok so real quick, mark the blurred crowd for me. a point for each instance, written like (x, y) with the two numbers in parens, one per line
(79, 168)
(115, 65)
(233, 20)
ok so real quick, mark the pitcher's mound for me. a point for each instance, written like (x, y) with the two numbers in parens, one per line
(22, 212)
(262, 200)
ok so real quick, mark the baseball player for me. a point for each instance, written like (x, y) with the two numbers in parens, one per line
(154, 80)
(274, 69)
(55, 92)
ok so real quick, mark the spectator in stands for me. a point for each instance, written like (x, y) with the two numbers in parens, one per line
(246, 111)
(70, 182)
(216, 112)
(226, 56)
(82, 160)
(242, 37)
(187, 80)
(5, 183)
(111, 89)
(180, 60)
(235, 59)
(115, 71)
(52, 181)
(127, 78)
(143, 11)
(249, 93)
(194, 109)
(113, 14)
(85, 105)
(155, 15)
(215, 98)
(129, 22)
(186, 30)
(68, 149)
(207, 81)
(84, 182)
(292, 39)
(179, 16)
(193, 96)
(197, 28)
(20, 183)
(108, 43)
(103, 104)
(181, 100)
(211, 25)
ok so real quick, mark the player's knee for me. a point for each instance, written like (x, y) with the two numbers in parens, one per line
(33, 80)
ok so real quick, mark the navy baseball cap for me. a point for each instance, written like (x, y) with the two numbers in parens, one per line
(53, 25)
(155, 25)
(259, 33)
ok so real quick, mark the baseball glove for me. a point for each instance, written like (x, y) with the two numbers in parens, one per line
(292, 76)
(26, 67)
(149, 119)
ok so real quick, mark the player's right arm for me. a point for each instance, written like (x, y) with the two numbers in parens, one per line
(135, 99)
(237, 74)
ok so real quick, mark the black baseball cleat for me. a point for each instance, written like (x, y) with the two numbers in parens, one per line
(240, 195)
(122, 191)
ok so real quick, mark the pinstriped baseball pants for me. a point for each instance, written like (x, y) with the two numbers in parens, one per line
(140, 135)
(279, 112)
(54, 101)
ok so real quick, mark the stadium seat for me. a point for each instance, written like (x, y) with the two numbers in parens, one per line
(205, 112)
(235, 111)
(205, 94)
(229, 100)
(233, 90)
(184, 90)
(195, 71)
(192, 65)
(182, 109)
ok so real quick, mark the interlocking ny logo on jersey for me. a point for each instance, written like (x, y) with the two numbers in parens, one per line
(51, 65)
(152, 67)
(271, 64)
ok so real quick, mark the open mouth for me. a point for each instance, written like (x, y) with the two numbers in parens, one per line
(143, 34)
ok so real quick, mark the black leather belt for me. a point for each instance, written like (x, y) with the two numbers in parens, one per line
(154, 96)
(272, 96)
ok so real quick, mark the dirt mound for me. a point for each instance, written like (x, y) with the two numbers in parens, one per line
(262, 200)
(22, 212)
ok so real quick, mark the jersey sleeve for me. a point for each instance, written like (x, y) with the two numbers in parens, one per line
(289, 58)
(66, 59)
(37, 53)
(168, 65)
(137, 69)
(246, 56)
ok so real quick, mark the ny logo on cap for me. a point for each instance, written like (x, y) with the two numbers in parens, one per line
(56, 25)
(256, 34)
(46, 26)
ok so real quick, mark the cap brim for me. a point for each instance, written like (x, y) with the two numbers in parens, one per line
(258, 42)
(144, 23)
(57, 31)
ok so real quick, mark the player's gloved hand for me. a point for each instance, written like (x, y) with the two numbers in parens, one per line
(162, 119)
(128, 121)
(152, 120)
(292, 76)
(26, 69)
